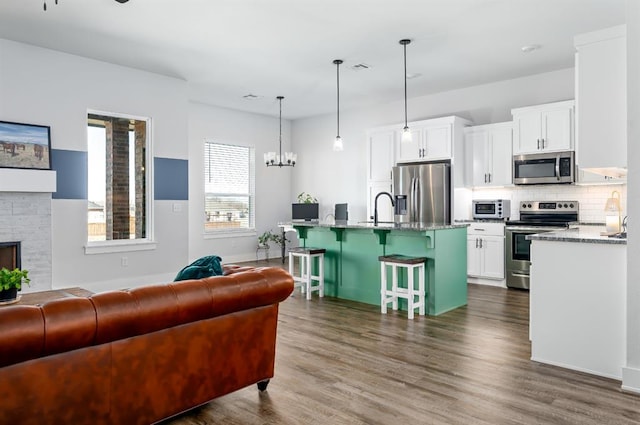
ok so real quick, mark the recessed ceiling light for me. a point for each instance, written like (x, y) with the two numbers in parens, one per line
(530, 48)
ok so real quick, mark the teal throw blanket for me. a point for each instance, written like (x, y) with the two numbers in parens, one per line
(202, 267)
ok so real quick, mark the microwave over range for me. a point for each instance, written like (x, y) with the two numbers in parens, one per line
(544, 168)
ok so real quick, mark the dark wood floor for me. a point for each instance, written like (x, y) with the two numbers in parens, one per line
(340, 362)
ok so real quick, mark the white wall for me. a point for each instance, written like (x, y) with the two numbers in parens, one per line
(273, 184)
(41, 86)
(631, 374)
(335, 177)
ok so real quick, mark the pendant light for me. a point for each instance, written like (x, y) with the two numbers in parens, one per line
(406, 133)
(273, 159)
(337, 144)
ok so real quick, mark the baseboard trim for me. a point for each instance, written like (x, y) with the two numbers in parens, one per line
(631, 380)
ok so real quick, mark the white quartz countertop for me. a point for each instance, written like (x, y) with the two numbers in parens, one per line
(580, 234)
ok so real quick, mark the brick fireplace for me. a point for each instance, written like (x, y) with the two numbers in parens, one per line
(25, 218)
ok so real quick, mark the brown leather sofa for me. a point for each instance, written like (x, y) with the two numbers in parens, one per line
(141, 355)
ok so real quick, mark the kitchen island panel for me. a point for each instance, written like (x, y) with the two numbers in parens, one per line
(446, 268)
(325, 238)
(352, 269)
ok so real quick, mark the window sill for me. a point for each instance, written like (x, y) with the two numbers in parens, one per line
(221, 234)
(107, 247)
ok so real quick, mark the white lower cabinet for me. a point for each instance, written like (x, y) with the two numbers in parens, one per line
(485, 253)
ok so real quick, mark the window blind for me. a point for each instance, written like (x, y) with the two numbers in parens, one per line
(229, 182)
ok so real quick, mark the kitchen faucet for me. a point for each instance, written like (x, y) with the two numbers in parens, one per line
(375, 206)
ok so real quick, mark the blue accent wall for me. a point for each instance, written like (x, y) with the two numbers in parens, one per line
(171, 179)
(171, 176)
(71, 174)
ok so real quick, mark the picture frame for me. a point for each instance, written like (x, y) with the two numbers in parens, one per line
(25, 146)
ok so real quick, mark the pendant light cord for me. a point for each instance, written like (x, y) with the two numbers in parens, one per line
(338, 95)
(405, 84)
(337, 62)
(280, 160)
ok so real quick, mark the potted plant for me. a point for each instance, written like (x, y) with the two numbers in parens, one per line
(266, 237)
(305, 198)
(11, 282)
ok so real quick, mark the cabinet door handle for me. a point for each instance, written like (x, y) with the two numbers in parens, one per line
(476, 242)
(489, 177)
(543, 143)
(485, 177)
(538, 140)
(480, 243)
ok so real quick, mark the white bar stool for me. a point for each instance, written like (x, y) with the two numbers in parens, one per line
(306, 278)
(410, 292)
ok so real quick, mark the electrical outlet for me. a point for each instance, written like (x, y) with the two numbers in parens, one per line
(124, 261)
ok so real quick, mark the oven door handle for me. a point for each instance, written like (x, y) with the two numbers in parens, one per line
(558, 167)
(519, 274)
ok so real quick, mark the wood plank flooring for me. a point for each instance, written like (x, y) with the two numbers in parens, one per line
(340, 362)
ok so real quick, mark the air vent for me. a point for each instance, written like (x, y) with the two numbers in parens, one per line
(250, 96)
(360, 66)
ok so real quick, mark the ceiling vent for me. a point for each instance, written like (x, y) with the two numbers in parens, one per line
(360, 66)
(250, 96)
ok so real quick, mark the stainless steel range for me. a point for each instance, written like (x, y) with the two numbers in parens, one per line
(535, 217)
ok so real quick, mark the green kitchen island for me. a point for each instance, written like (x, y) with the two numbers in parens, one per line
(352, 269)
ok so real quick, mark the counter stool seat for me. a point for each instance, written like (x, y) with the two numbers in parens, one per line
(306, 278)
(410, 293)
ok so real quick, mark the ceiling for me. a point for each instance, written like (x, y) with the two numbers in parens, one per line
(226, 49)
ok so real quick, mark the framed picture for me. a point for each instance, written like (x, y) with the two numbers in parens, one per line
(25, 146)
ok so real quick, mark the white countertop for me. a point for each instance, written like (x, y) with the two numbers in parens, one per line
(581, 234)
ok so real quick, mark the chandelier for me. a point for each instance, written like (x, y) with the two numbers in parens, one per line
(273, 159)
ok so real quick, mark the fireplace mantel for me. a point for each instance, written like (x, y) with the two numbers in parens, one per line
(24, 180)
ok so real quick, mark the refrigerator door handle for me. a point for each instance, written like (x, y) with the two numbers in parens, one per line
(412, 216)
(418, 200)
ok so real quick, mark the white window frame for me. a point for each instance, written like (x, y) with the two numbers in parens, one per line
(128, 245)
(226, 232)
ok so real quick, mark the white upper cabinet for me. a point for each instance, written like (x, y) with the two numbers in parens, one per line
(381, 145)
(429, 143)
(490, 147)
(543, 128)
(601, 100)
(432, 140)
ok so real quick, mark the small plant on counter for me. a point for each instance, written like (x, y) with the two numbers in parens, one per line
(305, 198)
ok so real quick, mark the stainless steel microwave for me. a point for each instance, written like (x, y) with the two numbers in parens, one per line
(544, 168)
(495, 208)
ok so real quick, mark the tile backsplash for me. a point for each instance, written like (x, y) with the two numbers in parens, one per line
(592, 199)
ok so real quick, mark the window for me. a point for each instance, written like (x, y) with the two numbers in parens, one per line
(118, 193)
(229, 186)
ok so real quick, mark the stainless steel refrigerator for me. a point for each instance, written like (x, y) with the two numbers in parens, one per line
(428, 191)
